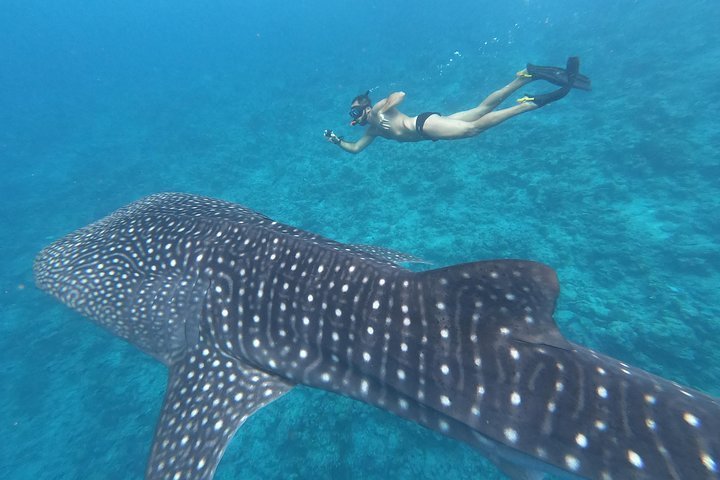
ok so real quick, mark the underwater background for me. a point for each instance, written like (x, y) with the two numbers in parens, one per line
(102, 102)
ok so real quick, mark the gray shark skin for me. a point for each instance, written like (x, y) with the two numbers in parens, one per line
(241, 308)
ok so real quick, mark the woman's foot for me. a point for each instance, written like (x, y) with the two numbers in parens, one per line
(522, 78)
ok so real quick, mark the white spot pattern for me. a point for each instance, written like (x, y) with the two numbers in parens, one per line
(160, 251)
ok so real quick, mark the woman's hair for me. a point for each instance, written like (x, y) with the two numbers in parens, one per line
(362, 100)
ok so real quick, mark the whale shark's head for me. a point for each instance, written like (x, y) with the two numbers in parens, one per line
(69, 270)
(120, 273)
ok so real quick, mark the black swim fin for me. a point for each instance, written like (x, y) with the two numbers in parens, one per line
(557, 76)
(571, 73)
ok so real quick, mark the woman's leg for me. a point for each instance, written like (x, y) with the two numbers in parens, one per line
(449, 128)
(492, 101)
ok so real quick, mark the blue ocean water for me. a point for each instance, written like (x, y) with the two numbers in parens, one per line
(103, 102)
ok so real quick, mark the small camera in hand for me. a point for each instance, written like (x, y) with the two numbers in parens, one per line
(328, 133)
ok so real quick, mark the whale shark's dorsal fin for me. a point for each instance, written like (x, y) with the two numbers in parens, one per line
(208, 398)
(513, 297)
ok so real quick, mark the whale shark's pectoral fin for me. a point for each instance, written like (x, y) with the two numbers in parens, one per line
(208, 397)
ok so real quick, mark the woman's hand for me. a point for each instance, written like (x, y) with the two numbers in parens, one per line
(332, 138)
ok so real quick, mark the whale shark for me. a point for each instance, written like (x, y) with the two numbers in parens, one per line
(241, 308)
